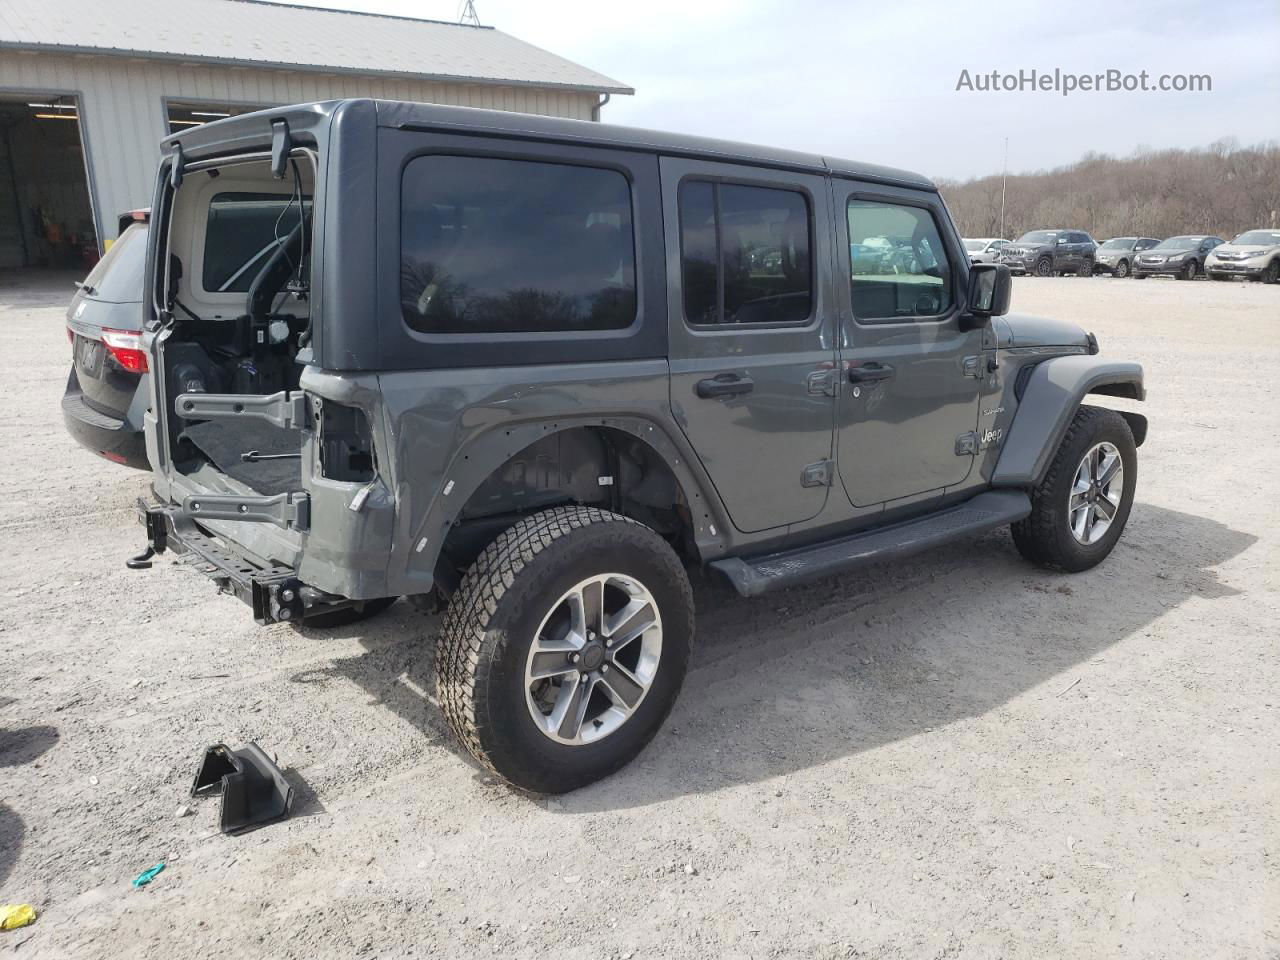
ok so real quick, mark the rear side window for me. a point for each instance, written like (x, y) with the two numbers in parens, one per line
(744, 254)
(898, 266)
(491, 245)
(242, 231)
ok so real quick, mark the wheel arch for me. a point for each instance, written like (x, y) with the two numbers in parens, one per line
(628, 465)
(1053, 394)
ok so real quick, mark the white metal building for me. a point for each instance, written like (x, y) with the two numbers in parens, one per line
(88, 88)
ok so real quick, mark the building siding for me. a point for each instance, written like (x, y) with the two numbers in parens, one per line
(123, 112)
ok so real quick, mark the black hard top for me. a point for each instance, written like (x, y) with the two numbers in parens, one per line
(431, 116)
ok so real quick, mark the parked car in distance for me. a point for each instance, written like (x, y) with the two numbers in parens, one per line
(106, 394)
(496, 405)
(1116, 255)
(1254, 255)
(1181, 257)
(1047, 253)
(984, 249)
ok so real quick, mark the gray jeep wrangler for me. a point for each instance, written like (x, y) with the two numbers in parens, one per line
(540, 369)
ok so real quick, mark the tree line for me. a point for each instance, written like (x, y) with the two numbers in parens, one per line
(1222, 189)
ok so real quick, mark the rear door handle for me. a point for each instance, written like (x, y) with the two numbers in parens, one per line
(870, 372)
(724, 385)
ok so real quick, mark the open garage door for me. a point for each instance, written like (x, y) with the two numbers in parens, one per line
(46, 214)
(184, 114)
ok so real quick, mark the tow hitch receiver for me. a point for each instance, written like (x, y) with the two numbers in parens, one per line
(254, 791)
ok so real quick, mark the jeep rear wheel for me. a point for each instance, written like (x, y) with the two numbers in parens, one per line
(564, 648)
(1080, 508)
(1044, 267)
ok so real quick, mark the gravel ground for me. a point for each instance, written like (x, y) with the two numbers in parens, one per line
(956, 756)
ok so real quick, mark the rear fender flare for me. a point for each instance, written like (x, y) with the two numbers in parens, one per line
(1053, 394)
(486, 454)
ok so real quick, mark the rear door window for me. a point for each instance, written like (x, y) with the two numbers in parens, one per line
(242, 231)
(493, 245)
(744, 254)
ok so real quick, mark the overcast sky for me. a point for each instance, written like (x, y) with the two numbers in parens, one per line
(877, 81)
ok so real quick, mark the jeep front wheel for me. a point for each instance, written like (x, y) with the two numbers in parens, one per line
(565, 647)
(1079, 509)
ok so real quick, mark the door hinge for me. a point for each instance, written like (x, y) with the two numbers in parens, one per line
(816, 474)
(966, 444)
(285, 510)
(287, 410)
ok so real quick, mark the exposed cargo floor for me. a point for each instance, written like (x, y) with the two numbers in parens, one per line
(225, 442)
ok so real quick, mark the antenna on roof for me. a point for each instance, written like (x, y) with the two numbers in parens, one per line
(469, 15)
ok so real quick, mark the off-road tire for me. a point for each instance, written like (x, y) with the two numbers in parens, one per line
(349, 615)
(1043, 267)
(491, 621)
(1045, 536)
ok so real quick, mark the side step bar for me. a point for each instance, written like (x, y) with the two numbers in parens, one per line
(752, 576)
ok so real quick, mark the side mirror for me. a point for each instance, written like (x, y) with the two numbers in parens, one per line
(990, 288)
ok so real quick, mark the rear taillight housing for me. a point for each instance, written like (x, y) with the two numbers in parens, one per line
(126, 347)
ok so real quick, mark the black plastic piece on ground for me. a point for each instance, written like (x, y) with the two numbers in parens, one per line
(254, 791)
(142, 561)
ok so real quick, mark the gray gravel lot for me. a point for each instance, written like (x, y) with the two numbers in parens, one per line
(956, 756)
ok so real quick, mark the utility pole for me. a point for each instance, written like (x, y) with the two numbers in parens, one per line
(1004, 181)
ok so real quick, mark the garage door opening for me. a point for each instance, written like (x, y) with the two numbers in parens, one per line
(46, 214)
(183, 115)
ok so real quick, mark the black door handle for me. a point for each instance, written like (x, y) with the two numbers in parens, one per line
(724, 385)
(870, 372)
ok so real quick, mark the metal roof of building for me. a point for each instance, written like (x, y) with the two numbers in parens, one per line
(263, 34)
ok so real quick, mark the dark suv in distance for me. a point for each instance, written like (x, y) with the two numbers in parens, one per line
(538, 370)
(1047, 253)
(1116, 255)
(1181, 257)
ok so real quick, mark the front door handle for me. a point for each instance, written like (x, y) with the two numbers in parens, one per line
(870, 372)
(724, 385)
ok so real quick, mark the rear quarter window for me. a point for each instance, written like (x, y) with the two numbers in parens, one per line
(494, 245)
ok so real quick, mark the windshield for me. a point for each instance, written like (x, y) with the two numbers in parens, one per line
(1258, 238)
(975, 246)
(1180, 243)
(1040, 236)
(117, 278)
(1119, 243)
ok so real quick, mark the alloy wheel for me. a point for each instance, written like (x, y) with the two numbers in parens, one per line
(1096, 493)
(593, 659)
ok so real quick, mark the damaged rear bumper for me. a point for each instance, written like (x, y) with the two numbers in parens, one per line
(272, 589)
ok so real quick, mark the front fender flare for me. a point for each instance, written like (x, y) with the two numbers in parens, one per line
(1052, 396)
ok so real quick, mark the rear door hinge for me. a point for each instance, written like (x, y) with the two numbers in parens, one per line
(287, 410)
(816, 474)
(289, 511)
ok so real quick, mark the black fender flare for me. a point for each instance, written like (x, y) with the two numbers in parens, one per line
(1052, 396)
(487, 453)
